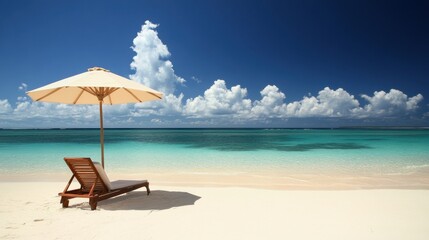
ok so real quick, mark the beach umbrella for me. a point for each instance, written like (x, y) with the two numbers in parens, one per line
(96, 86)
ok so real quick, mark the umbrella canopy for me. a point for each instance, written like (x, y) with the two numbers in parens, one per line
(96, 86)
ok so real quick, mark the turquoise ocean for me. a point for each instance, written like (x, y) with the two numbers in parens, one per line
(280, 151)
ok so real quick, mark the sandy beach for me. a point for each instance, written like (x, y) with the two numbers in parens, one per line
(301, 184)
(31, 210)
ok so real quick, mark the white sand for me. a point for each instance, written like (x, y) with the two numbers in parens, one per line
(32, 211)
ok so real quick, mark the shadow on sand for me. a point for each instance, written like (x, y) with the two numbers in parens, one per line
(157, 200)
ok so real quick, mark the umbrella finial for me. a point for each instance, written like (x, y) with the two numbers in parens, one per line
(97, 69)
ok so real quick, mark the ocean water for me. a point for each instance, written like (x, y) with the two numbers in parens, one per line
(277, 151)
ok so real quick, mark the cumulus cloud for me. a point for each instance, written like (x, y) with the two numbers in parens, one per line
(219, 100)
(28, 110)
(151, 63)
(170, 105)
(390, 104)
(24, 112)
(271, 105)
(154, 69)
(328, 103)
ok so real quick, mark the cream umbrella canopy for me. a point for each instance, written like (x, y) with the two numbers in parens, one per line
(96, 86)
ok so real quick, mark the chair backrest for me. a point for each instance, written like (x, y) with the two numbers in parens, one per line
(86, 174)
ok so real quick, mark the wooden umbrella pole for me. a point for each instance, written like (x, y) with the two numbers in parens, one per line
(101, 133)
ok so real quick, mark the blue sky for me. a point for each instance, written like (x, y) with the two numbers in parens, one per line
(227, 63)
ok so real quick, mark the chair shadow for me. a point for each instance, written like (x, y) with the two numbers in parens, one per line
(157, 200)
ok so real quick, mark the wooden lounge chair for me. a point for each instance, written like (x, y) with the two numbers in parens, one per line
(94, 183)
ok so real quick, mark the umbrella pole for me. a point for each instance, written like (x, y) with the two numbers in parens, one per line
(101, 133)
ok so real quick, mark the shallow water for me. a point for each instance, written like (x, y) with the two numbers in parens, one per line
(279, 152)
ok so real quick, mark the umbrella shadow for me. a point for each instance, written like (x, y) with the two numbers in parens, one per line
(157, 200)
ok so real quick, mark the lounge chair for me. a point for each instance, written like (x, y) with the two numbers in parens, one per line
(94, 183)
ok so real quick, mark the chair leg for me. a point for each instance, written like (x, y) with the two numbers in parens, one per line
(147, 189)
(93, 203)
(65, 202)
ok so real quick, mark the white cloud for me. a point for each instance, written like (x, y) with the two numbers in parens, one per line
(23, 87)
(5, 106)
(154, 70)
(226, 105)
(334, 103)
(218, 100)
(30, 110)
(392, 103)
(328, 103)
(271, 105)
(150, 62)
(27, 113)
(170, 105)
